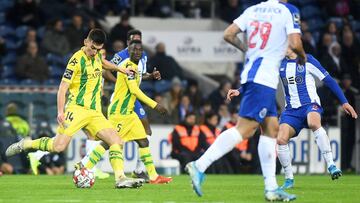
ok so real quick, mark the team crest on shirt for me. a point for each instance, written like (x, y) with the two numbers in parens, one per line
(263, 113)
(131, 75)
(300, 68)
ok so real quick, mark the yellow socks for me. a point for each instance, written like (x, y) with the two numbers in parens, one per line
(146, 158)
(117, 161)
(43, 144)
(95, 156)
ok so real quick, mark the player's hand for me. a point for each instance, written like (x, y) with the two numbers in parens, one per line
(349, 110)
(124, 70)
(232, 93)
(162, 110)
(61, 119)
(302, 60)
(156, 74)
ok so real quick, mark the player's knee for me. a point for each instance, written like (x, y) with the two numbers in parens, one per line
(314, 126)
(282, 140)
(59, 148)
(143, 143)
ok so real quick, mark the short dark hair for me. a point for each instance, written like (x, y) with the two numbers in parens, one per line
(98, 36)
(133, 32)
(134, 42)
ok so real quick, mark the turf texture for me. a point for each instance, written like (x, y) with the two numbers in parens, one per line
(217, 188)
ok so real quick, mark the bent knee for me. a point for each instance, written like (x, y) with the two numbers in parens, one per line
(314, 126)
(59, 148)
(282, 140)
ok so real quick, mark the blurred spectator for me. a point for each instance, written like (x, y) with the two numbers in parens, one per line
(304, 26)
(309, 43)
(334, 62)
(25, 12)
(194, 93)
(55, 40)
(347, 127)
(31, 36)
(230, 11)
(224, 114)
(75, 33)
(32, 65)
(183, 108)
(5, 167)
(92, 24)
(20, 125)
(117, 46)
(324, 44)
(167, 65)
(350, 49)
(159, 8)
(332, 29)
(172, 98)
(218, 96)
(185, 141)
(2, 52)
(208, 134)
(120, 30)
(205, 109)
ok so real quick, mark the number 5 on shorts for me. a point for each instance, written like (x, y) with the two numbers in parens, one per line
(119, 127)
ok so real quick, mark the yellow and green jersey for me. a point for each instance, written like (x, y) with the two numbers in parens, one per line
(84, 75)
(127, 91)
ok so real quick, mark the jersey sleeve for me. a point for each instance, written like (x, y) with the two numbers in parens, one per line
(71, 69)
(292, 19)
(134, 88)
(241, 21)
(116, 59)
(315, 68)
(145, 62)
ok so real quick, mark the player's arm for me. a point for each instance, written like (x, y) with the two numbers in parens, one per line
(61, 98)
(107, 65)
(135, 90)
(292, 27)
(318, 71)
(296, 46)
(230, 35)
(109, 76)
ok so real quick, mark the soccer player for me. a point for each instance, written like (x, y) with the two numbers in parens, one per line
(118, 59)
(303, 110)
(270, 27)
(82, 78)
(122, 116)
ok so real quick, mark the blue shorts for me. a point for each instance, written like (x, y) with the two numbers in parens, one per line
(258, 101)
(139, 110)
(297, 118)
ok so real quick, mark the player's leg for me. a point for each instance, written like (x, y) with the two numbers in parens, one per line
(90, 145)
(322, 140)
(285, 133)
(223, 144)
(140, 171)
(73, 123)
(146, 158)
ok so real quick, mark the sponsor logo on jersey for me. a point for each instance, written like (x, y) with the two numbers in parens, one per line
(131, 75)
(116, 60)
(296, 18)
(142, 111)
(73, 62)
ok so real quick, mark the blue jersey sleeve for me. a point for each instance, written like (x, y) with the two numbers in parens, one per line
(120, 57)
(334, 87)
(315, 68)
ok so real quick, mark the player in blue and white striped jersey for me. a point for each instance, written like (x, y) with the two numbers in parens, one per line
(303, 110)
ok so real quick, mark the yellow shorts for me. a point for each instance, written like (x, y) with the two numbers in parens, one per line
(129, 127)
(77, 117)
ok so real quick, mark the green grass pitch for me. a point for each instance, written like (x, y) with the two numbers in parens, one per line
(217, 188)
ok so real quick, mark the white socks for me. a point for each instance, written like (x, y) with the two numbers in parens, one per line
(285, 160)
(89, 146)
(222, 145)
(323, 142)
(267, 156)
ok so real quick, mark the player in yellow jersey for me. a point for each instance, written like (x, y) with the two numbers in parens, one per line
(83, 80)
(121, 114)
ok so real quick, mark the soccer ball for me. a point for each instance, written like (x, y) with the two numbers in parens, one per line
(83, 178)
